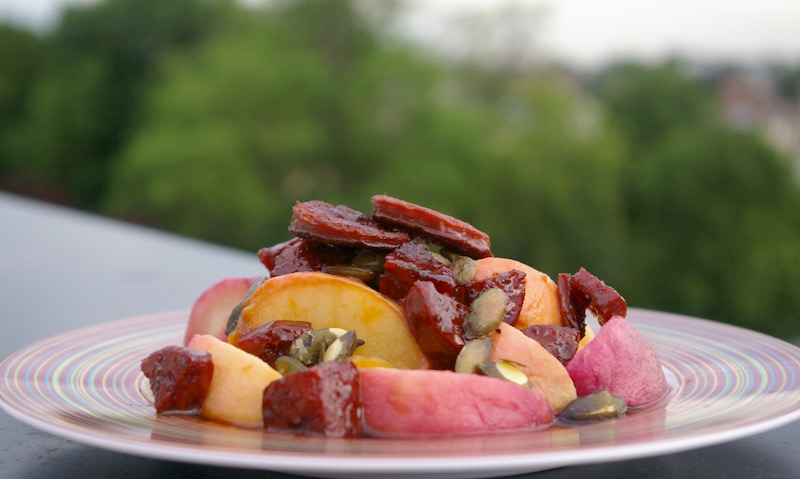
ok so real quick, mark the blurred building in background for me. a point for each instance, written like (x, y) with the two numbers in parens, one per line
(750, 101)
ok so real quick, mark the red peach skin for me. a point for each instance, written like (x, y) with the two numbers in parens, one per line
(211, 310)
(621, 360)
(426, 403)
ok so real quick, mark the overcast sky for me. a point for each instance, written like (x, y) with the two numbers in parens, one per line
(592, 31)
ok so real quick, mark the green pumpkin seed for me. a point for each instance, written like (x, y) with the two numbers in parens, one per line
(594, 407)
(343, 347)
(473, 354)
(369, 260)
(310, 346)
(448, 255)
(287, 365)
(506, 371)
(464, 269)
(327, 344)
(485, 314)
(236, 313)
(350, 271)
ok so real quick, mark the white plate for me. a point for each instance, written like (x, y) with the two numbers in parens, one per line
(86, 385)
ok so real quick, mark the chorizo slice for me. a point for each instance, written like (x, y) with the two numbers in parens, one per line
(583, 290)
(603, 300)
(412, 262)
(437, 322)
(339, 225)
(432, 225)
(179, 378)
(304, 255)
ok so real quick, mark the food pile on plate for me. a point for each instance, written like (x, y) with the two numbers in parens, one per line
(402, 324)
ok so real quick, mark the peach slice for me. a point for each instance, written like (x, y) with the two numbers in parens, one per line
(237, 387)
(328, 301)
(547, 374)
(540, 305)
(363, 362)
(210, 312)
(402, 403)
(621, 360)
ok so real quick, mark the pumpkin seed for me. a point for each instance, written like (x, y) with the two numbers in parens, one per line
(339, 332)
(342, 347)
(440, 258)
(287, 365)
(327, 344)
(473, 354)
(348, 270)
(464, 269)
(236, 313)
(594, 407)
(506, 371)
(485, 313)
(369, 260)
(310, 346)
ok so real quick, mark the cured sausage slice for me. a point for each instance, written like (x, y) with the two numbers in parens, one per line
(436, 321)
(339, 225)
(179, 378)
(583, 290)
(603, 300)
(409, 263)
(560, 341)
(303, 255)
(324, 400)
(437, 227)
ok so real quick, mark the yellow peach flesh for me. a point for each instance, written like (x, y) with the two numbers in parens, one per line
(237, 387)
(547, 374)
(540, 305)
(328, 301)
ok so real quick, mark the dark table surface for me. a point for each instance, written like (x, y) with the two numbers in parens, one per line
(61, 270)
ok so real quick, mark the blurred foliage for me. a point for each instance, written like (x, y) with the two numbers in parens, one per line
(83, 104)
(708, 208)
(22, 61)
(210, 120)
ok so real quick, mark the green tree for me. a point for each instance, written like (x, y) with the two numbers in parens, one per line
(272, 113)
(85, 101)
(532, 162)
(714, 214)
(647, 102)
(21, 60)
(265, 115)
(558, 183)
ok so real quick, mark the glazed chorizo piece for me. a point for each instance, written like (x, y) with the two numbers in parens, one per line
(273, 339)
(560, 341)
(572, 306)
(603, 300)
(436, 320)
(179, 378)
(269, 255)
(303, 255)
(449, 232)
(412, 262)
(324, 400)
(339, 225)
(583, 290)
